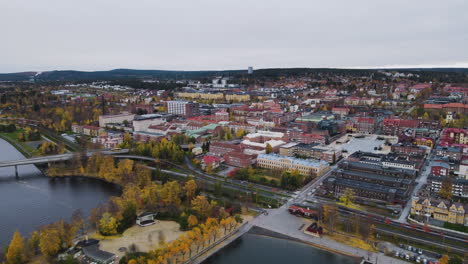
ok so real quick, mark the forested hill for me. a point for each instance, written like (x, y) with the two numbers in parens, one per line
(117, 74)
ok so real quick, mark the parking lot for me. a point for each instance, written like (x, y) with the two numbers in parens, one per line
(413, 254)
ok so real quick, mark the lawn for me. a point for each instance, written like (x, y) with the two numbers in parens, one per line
(26, 149)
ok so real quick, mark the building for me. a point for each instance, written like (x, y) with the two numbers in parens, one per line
(222, 148)
(183, 108)
(211, 160)
(256, 143)
(459, 185)
(92, 131)
(109, 140)
(453, 153)
(104, 120)
(365, 125)
(409, 149)
(141, 123)
(454, 137)
(455, 213)
(288, 149)
(250, 70)
(304, 167)
(312, 150)
(238, 159)
(440, 168)
(147, 136)
(341, 111)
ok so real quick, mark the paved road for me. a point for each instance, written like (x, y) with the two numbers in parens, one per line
(421, 180)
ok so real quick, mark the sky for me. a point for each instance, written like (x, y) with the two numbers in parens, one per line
(42, 35)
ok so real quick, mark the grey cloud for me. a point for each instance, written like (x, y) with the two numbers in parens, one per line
(227, 34)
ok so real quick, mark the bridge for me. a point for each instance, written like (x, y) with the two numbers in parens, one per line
(54, 158)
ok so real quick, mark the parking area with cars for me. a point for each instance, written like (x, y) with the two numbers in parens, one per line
(417, 255)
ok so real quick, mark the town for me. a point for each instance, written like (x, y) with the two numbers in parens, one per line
(372, 164)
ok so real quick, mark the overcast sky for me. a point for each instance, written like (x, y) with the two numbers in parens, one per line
(40, 35)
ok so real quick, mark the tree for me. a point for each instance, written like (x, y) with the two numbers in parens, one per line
(348, 196)
(425, 116)
(444, 259)
(330, 215)
(15, 253)
(49, 241)
(446, 189)
(201, 205)
(192, 221)
(268, 149)
(128, 217)
(371, 236)
(107, 225)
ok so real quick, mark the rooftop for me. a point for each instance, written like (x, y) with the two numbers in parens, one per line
(303, 162)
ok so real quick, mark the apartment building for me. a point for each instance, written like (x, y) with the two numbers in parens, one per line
(183, 108)
(304, 167)
(455, 213)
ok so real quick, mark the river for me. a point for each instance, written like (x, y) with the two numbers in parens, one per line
(254, 249)
(34, 200)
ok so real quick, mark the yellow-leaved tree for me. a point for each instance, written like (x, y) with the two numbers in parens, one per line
(107, 225)
(15, 253)
(192, 221)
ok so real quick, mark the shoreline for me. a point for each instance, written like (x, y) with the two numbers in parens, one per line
(16, 145)
(259, 231)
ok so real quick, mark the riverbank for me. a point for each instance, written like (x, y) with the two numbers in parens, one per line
(16, 145)
(268, 233)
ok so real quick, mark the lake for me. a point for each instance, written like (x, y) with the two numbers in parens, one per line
(34, 200)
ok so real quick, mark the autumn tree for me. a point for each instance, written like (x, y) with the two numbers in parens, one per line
(49, 241)
(444, 259)
(330, 215)
(446, 189)
(108, 225)
(192, 221)
(268, 148)
(348, 196)
(201, 206)
(15, 253)
(190, 189)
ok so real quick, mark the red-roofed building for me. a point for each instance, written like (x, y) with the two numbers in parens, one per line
(221, 148)
(397, 126)
(342, 111)
(458, 108)
(211, 160)
(365, 125)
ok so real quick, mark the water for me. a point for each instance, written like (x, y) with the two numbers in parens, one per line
(255, 249)
(34, 200)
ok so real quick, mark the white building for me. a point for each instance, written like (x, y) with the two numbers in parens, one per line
(183, 108)
(115, 119)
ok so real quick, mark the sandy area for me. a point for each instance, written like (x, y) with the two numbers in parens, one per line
(145, 238)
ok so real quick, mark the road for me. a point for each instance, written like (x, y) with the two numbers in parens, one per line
(421, 180)
(265, 190)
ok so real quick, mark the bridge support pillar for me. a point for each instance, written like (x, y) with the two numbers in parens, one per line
(16, 171)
